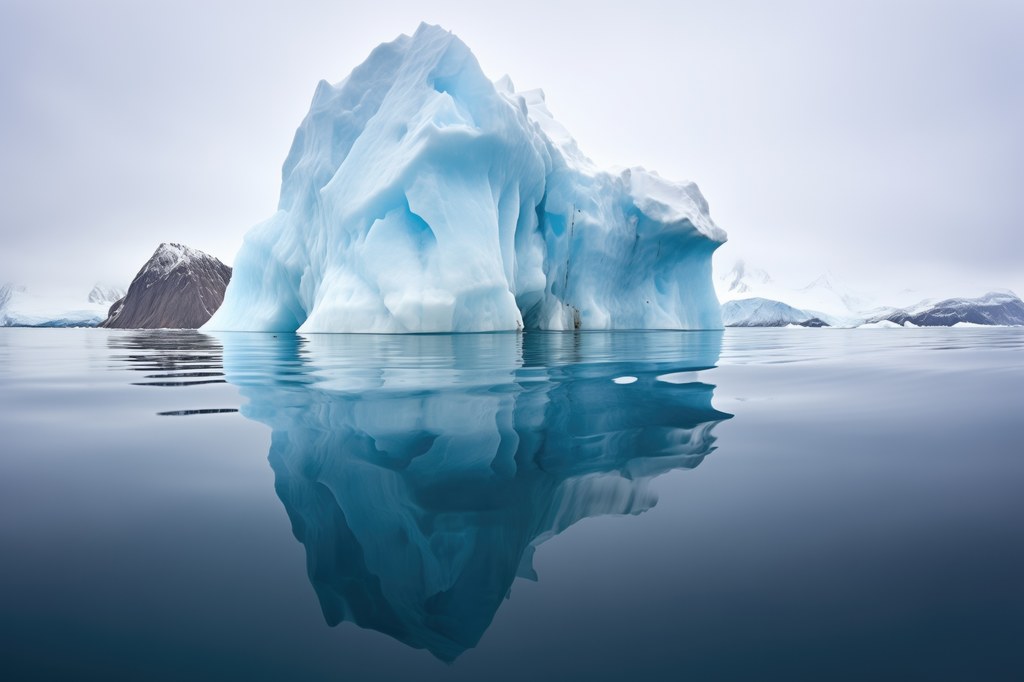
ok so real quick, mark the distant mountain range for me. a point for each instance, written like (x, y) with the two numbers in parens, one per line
(180, 288)
(752, 298)
(21, 307)
(994, 308)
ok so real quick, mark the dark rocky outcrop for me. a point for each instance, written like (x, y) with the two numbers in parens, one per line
(178, 288)
(814, 322)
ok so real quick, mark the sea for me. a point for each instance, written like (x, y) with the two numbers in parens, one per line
(753, 504)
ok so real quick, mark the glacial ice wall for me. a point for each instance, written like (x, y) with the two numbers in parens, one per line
(419, 196)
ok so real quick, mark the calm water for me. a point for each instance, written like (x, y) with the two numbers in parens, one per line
(791, 504)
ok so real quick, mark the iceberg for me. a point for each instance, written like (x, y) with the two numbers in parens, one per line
(422, 490)
(419, 196)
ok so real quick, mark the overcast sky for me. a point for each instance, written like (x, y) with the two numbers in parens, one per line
(881, 140)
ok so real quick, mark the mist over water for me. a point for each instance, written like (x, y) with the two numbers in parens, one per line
(753, 503)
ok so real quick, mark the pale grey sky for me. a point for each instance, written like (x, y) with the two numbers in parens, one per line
(881, 140)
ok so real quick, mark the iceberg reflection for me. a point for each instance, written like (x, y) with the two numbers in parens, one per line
(421, 472)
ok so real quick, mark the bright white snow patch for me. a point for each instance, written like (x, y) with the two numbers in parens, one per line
(881, 324)
(169, 256)
(975, 325)
(625, 380)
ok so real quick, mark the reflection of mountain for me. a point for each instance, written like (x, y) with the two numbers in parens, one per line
(170, 358)
(420, 472)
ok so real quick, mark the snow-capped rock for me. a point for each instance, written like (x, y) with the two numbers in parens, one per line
(178, 288)
(419, 196)
(994, 308)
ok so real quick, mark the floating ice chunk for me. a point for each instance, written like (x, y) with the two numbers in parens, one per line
(419, 196)
(678, 378)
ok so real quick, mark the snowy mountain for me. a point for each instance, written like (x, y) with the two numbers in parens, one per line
(763, 312)
(419, 196)
(825, 298)
(743, 280)
(752, 298)
(994, 308)
(178, 288)
(106, 294)
(22, 307)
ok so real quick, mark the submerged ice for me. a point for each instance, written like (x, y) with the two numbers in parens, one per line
(419, 196)
(422, 472)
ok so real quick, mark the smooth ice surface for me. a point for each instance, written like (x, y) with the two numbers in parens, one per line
(419, 196)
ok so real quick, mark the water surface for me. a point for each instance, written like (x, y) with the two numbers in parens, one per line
(791, 504)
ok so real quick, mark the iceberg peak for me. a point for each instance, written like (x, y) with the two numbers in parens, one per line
(419, 196)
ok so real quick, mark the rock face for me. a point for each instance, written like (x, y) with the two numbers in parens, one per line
(178, 288)
(994, 308)
(419, 196)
